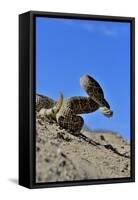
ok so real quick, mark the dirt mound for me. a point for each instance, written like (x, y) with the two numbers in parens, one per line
(61, 156)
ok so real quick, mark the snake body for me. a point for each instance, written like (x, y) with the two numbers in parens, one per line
(66, 111)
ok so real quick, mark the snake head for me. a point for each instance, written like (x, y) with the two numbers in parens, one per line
(106, 111)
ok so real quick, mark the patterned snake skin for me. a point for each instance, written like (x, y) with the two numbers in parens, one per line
(66, 111)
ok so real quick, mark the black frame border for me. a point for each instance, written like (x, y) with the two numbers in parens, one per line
(27, 85)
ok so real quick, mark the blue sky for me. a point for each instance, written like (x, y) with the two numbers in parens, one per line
(67, 49)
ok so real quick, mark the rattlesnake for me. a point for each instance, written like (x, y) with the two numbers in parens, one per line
(66, 111)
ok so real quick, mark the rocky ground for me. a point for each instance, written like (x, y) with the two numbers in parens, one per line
(61, 156)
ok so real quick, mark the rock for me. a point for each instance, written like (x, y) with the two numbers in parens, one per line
(61, 156)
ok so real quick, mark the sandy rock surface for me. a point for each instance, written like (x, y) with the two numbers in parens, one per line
(61, 156)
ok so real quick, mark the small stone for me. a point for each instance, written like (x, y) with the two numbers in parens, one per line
(102, 137)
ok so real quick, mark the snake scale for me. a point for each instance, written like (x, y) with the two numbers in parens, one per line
(67, 112)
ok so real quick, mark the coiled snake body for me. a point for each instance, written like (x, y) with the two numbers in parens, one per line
(66, 111)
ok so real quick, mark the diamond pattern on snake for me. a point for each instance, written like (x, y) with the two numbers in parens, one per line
(67, 112)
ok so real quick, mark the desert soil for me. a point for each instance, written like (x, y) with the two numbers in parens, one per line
(61, 156)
